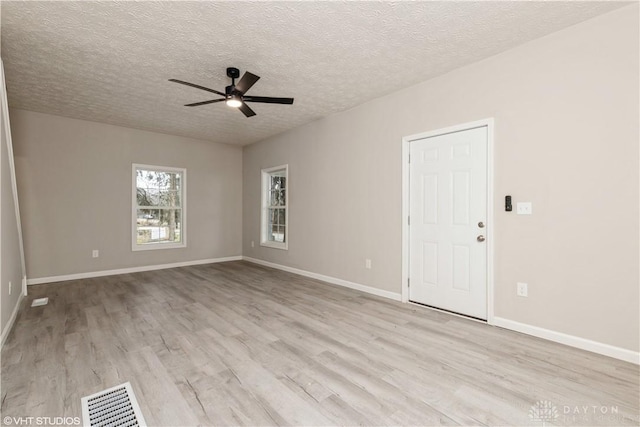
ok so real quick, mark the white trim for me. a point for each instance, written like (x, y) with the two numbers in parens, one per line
(406, 179)
(570, 340)
(333, 280)
(277, 245)
(263, 208)
(91, 274)
(489, 124)
(12, 168)
(134, 208)
(490, 221)
(12, 319)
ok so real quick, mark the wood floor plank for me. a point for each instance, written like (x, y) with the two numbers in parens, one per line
(241, 344)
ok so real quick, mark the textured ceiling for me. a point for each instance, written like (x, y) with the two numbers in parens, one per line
(109, 61)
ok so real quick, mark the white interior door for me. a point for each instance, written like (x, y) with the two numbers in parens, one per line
(448, 220)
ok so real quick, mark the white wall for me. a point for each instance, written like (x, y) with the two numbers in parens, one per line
(567, 130)
(74, 184)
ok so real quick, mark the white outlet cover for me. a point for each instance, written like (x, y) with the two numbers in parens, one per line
(39, 301)
(522, 289)
(524, 208)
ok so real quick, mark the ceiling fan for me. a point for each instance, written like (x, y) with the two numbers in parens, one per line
(234, 94)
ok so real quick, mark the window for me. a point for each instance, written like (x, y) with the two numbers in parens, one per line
(159, 200)
(275, 218)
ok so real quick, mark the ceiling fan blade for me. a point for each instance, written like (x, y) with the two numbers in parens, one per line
(246, 110)
(268, 99)
(195, 104)
(197, 86)
(246, 82)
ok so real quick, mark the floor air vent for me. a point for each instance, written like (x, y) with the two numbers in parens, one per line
(114, 407)
(39, 301)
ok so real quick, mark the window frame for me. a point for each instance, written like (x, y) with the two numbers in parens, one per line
(134, 208)
(265, 176)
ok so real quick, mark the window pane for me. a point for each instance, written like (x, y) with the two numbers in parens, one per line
(176, 197)
(170, 225)
(158, 188)
(279, 237)
(165, 180)
(283, 182)
(143, 235)
(150, 179)
(168, 198)
(271, 217)
(148, 197)
(155, 179)
(273, 232)
(147, 225)
(281, 217)
(142, 198)
(158, 226)
(283, 198)
(276, 198)
(147, 216)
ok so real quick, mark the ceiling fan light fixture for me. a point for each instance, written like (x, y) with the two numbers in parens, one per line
(234, 101)
(234, 94)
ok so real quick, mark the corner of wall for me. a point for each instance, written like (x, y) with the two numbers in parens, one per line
(9, 326)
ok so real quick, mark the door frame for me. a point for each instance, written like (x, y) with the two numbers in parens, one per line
(406, 141)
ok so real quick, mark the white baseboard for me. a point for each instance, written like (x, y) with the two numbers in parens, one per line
(335, 281)
(12, 319)
(570, 340)
(53, 279)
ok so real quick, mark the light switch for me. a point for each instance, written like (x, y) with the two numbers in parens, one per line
(524, 208)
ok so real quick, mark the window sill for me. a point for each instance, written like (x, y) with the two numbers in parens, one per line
(275, 245)
(155, 246)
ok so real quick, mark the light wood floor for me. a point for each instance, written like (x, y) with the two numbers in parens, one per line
(241, 344)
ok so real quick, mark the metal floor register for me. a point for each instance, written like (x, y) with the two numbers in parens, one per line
(113, 407)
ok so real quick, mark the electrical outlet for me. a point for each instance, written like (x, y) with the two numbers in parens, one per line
(522, 289)
(253, 244)
(524, 208)
(95, 253)
(367, 264)
(9, 287)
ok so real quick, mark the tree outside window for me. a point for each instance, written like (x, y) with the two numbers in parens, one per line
(159, 207)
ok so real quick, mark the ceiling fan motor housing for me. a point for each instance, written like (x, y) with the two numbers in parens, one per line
(233, 72)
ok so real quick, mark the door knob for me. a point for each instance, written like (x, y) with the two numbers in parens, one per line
(480, 238)
(481, 224)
